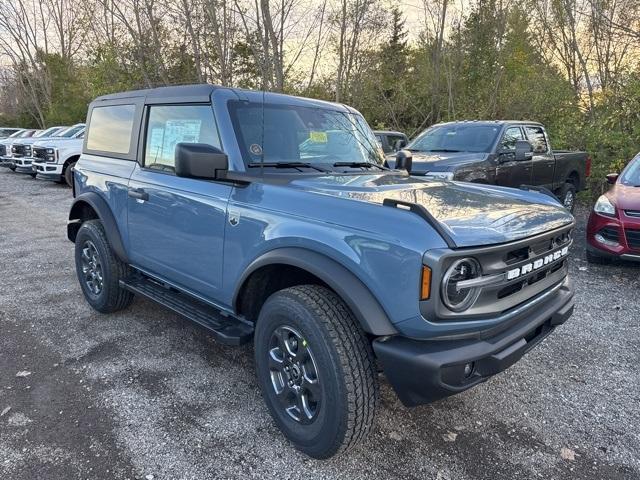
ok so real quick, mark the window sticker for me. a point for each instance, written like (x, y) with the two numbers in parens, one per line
(318, 137)
(155, 144)
(177, 131)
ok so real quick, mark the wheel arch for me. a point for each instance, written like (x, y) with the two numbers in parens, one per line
(68, 160)
(307, 266)
(574, 178)
(90, 206)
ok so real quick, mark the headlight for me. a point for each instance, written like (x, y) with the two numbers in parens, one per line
(439, 175)
(50, 151)
(458, 298)
(604, 207)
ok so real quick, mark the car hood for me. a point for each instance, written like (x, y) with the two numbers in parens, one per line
(625, 197)
(472, 214)
(440, 161)
(56, 142)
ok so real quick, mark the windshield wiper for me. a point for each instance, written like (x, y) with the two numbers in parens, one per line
(286, 165)
(446, 150)
(359, 164)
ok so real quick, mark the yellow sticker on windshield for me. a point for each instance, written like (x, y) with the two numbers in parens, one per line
(318, 137)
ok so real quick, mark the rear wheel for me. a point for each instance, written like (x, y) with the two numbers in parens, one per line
(316, 370)
(99, 270)
(68, 174)
(567, 196)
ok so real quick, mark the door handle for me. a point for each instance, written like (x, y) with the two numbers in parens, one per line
(138, 194)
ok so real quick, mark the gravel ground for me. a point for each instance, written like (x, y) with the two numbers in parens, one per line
(145, 394)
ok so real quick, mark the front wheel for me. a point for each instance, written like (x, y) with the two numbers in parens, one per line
(316, 370)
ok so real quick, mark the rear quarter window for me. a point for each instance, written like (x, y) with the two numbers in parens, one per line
(110, 129)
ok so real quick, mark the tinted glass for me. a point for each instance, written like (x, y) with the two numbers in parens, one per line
(6, 132)
(456, 138)
(511, 136)
(47, 133)
(169, 125)
(631, 174)
(110, 128)
(537, 139)
(287, 133)
(21, 134)
(392, 141)
(69, 132)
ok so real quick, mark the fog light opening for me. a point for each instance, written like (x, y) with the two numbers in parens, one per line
(469, 369)
(604, 241)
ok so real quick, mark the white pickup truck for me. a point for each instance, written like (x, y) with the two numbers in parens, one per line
(54, 158)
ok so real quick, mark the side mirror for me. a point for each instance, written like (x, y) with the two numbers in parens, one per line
(399, 144)
(612, 178)
(199, 160)
(524, 151)
(404, 160)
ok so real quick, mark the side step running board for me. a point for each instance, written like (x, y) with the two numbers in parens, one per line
(225, 329)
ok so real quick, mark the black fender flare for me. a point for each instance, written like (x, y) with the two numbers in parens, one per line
(105, 215)
(350, 288)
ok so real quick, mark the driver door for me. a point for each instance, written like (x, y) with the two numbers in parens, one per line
(510, 172)
(176, 225)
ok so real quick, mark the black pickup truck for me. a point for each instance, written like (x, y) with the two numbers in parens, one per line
(507, 153)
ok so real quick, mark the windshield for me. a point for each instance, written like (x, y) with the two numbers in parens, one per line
(47, 133)
(19, 134)
(321, 137)
(456, 138)
(631, 175)
(68, 132)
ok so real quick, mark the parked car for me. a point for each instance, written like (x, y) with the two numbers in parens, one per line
(506, 153)
(390, 141)
(6, 132)
(613, 230)
(22, 152)
(54, 159)
(5, 146)
(219, 204)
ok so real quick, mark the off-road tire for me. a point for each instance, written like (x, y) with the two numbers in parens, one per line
(345, 367)
(68, 174)
(112, 297)
(567, 193)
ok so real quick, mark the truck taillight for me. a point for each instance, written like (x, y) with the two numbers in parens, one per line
(588, 173)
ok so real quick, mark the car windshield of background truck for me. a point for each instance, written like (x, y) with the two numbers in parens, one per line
(456, 138)
(631, 174)
(317, 136)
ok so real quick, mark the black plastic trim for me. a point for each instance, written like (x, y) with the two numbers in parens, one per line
(99, 205)
(356, 295)
(425, 371)
(426, 215)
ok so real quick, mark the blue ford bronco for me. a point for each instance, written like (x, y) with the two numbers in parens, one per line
(271, 218)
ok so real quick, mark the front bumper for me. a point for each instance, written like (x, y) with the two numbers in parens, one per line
(423, 371)
(621, 229)
(23, 164)
(47, 170)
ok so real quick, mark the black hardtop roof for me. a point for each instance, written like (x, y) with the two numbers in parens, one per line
(201, 93)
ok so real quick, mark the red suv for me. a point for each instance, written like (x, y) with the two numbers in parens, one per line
(613, 230)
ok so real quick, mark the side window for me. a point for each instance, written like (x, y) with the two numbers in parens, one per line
(393, 139)
(110, 128)
(510, 137)
(537, 139)
(172, 124)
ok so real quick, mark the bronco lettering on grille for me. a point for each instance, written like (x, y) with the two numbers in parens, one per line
(537, 264)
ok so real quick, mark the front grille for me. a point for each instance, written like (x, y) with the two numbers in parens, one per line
(632, 213)
(522, 270)
(18, 150)
(633, 239)
(611, 234)
(39, 152)
(3, 150)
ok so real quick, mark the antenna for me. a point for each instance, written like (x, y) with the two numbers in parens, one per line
(262, 135)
